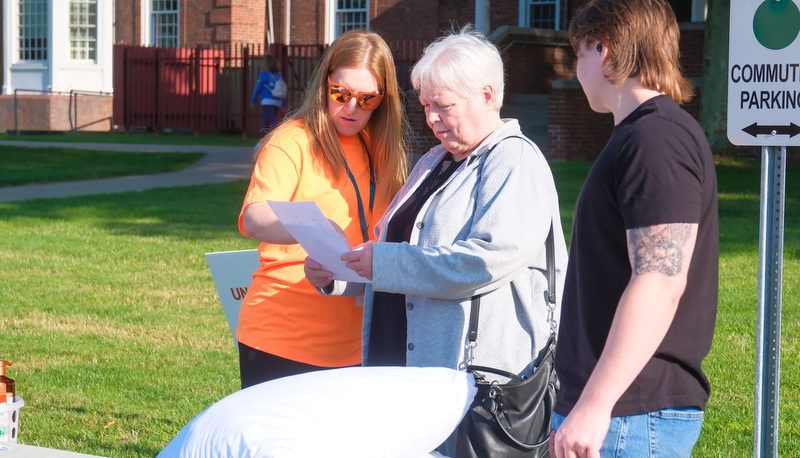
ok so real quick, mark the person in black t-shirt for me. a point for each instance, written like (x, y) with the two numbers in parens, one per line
(640, 297)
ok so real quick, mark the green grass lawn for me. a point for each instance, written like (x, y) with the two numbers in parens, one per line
(168, 138)
(117, 337)
(40, 164)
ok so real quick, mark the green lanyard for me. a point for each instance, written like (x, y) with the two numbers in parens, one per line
(361, 215)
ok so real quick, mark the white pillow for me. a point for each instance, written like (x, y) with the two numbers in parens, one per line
(352, 412)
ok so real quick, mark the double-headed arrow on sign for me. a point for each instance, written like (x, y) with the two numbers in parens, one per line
(754, 129)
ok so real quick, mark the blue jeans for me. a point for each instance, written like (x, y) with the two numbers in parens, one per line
(663, 433)
(270, 119)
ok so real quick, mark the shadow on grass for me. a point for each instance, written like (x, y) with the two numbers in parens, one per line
(112, 435)
(207, 211)
(191, 212)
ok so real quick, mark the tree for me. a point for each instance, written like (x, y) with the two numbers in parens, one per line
(714, 93)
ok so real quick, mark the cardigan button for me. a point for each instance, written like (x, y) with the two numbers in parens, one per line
(409, 306)
(420, 224)
(410, 347)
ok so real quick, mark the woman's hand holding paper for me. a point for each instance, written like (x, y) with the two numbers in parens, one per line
(316, 275)
(360, 260)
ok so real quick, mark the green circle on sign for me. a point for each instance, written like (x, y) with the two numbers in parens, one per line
(776, 23)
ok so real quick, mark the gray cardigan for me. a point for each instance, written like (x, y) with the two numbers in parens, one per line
(482, 232)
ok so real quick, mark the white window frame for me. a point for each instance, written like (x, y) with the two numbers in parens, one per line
(58, 73)
(525, 11)
(19, 73)
(149, 32)
(699, 10)
(83, 33)
(43, 27)
(334, 16)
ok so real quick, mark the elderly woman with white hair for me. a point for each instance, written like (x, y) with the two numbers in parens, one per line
(471, 219)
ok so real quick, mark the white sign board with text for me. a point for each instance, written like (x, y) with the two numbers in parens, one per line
(764, 73)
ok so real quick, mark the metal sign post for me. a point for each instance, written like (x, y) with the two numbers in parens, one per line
(770, 278)
(764, 110)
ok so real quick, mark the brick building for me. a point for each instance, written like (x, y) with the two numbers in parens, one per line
(575, 132)
(57, 54)
(188, 23)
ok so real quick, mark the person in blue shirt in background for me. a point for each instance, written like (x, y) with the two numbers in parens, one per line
(271, 91)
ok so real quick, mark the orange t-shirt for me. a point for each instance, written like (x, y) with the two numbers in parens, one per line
(282, 314)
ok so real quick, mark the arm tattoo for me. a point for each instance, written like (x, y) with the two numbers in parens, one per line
(658, 248)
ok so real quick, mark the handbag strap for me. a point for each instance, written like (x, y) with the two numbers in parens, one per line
(550, 255)
(472, 330)
(501, 422)
(506, 374)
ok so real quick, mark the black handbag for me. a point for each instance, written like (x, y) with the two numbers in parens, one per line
(512, 419)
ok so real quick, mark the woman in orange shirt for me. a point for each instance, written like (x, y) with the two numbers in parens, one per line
(345, 149)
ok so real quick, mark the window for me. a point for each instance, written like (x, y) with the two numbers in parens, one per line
(33, 29)
(351, 14)
(83, 29)
(682, 9)
(165, 23)
(542, 14)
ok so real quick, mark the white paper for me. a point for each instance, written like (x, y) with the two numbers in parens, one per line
(313, 231)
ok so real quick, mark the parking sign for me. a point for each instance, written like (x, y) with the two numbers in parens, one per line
(764, 73)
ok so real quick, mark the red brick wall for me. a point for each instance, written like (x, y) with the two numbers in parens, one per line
(201, 22)
(248, 21)
(39, 113)
(534, 58)
(127, 14)
(308, 22)
(92, 113)
(691, 48)
(222, 22)
(414, 19)
(278, 13)
(404, 20)
(576, 133)
(33, 111)
(504, 13)
(453, 14)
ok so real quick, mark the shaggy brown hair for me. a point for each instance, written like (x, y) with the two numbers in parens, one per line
(642, 39)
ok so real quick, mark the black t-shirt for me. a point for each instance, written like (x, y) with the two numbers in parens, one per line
(387, 341)
(657, 168)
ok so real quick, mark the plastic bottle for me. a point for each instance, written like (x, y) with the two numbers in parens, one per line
(6, 398)
(6, 385)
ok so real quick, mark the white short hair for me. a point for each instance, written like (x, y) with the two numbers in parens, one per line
(463, 62)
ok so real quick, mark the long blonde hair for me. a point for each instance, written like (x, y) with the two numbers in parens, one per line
(386, 130)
